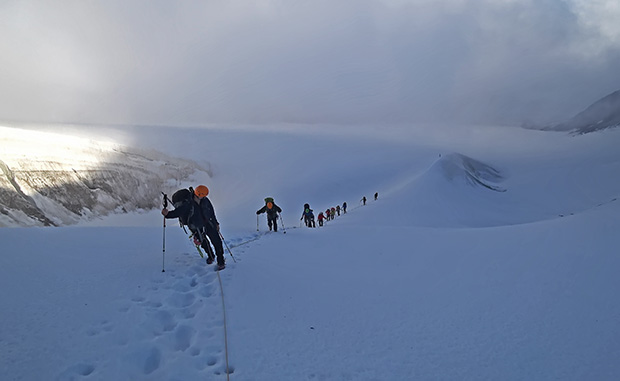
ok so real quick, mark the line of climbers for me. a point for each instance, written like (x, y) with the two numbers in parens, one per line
(307, 215)
(330, 213)
(363, 200)
(194, 209)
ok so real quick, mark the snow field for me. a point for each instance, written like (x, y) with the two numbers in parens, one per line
(439, 278)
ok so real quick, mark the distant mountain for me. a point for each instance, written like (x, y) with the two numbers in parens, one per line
(53, 180)
(602, 114)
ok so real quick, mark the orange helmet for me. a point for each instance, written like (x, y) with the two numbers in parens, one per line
(269, 205)
(201, 191)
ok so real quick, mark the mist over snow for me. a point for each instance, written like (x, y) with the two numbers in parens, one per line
(491, 253)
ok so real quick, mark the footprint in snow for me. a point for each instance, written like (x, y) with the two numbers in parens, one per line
(76, 372)
(183, 337)
(180, 300)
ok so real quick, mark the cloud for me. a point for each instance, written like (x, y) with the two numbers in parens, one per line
(598, 19)
(346, 61)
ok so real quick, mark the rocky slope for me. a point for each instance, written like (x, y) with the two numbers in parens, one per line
(602, 114)
(49, 179)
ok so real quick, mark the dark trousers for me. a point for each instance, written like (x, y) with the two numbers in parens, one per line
(309, 222)
(273, 222)
(208, 237)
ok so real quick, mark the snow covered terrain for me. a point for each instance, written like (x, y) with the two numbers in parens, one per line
(491, 253)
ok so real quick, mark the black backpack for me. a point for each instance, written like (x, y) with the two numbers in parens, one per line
(180, 198)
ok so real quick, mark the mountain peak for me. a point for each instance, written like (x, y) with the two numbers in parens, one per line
(602, 114)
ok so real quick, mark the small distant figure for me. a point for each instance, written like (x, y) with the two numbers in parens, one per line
(308, 216)
(332, 212)
(320, 218)
(272, 211)
(338, 210)
(327, 215)
(344, 207)
(376, 196)
(364, 200)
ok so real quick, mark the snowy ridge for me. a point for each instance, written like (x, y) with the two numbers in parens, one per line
(52, 179)
(458, 168)
(454, 191)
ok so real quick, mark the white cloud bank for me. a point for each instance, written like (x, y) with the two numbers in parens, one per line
(321, 61)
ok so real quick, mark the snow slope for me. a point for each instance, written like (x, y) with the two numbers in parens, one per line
(441, 278)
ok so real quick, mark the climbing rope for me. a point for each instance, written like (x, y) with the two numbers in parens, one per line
(225, 329)
(256, 237)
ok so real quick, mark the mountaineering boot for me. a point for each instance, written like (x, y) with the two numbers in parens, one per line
(210, 256)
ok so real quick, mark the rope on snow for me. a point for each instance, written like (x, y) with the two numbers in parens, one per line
(225, 329)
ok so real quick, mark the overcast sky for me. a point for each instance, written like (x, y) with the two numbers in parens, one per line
(332, 61)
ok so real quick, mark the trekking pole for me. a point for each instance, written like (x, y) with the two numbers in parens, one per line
(166, 198)
(163, 253)
(257, 222)
(282, 222)
(170, 201)
(229, 252)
